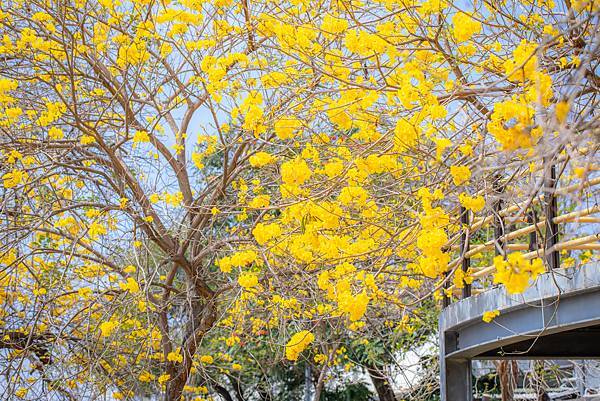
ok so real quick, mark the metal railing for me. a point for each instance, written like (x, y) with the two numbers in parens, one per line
(549, 248)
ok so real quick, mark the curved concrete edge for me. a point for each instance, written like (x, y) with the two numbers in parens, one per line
(558, 301)
(543, 318)
(559, 283)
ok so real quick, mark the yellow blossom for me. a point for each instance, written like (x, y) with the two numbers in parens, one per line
(353, 195)
(130, 285)
(14, 178)
(175, 356)
(141, 136)
(260, 201)
(248, 280)
(465, 26)
(146, 377)
(561, 110)
(162, 379)
(286, 127)
(474, 204)
(265, 232)
(460, 174)
(489, 316)
(260, 159)
(55, 133)
(515, 272)
(106, 328)
(295, 172)
(298, 343)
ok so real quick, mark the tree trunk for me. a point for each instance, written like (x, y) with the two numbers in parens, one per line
(508, 374)
(381, 384)
(204, 319)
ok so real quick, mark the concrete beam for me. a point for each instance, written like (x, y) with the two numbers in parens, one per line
(558, 317)
(559, 283)
(535, 322)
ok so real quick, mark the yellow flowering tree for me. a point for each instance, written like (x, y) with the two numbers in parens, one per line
(182, 179)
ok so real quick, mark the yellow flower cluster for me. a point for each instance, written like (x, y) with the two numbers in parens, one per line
(489, 316)
(107, 328)
(263, 233)
(354, 305)
(56, 133)
(251, 108)
(523, 65)
(7, 85)
(461, 278)
(286, 127)
(474, 204)
(353, 196)
(298, 343)
(295, 172)
(175, 356)
(146, 377)
(515, 272)
(260, 201)
(406, 135)
(133, 53)
(512, 125)
(130, 285)
(14, 178)
(364, 43)
(52, 113)
(238, 259)
(460, 174)
(141, 136)
(432, 237)
(465, 26)
(248, 280)
(338, 284)
(260, 159)
(333, 25)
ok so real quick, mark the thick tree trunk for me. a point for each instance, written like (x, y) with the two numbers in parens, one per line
(381, 384)
(204, 319)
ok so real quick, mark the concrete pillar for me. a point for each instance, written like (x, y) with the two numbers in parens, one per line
(456, 382)
(455, 374)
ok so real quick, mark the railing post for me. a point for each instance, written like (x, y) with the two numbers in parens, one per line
(498, 224)
(464, 248)
(551, 210)
(445, 298)
(532, 220)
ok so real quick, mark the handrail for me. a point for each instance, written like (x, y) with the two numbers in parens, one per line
(526, 230)
(585, 242)
(480, 222)
(542, 252)
(550, 247)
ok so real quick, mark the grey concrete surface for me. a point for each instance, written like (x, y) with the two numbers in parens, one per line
(561, 308)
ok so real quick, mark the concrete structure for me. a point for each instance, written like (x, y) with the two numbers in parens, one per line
(558, 317)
